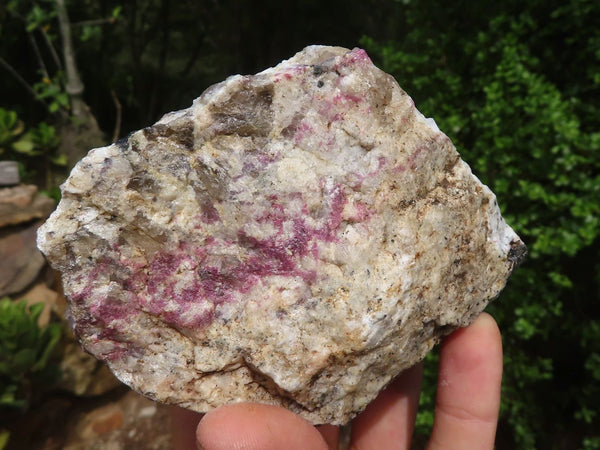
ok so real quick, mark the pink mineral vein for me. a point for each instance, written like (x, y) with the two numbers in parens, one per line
(298, 237)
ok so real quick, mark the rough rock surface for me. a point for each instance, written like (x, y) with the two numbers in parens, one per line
(22, 203)
(297, 237)
(20, 260)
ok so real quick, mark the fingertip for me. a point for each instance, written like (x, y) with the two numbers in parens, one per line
(227, 427)
(253, 426)
(487, 324)
(477, 347)
(484, 323)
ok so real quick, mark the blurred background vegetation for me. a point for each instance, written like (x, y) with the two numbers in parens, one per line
(515, 84)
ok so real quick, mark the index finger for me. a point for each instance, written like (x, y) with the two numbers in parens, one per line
(468, 396)
(387, 423)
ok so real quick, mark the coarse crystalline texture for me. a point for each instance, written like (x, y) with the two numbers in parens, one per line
(296, 237)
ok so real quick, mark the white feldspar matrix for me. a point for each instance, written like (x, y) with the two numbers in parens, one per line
(297, 237)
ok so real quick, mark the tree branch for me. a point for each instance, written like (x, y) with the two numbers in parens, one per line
(20, 79)
(93, 22)
(51, 49)
(74, 85)
(38, 55)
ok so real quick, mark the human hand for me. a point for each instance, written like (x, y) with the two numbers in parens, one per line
(466, 412)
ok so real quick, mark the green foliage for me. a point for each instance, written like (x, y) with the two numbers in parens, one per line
(38, 17)
(53, 93)
(4, 436)
(35, 149)
(515, 84)
(495, 80)
(25, 351)
(424, 420)
(89, 32)
(591, 443)
(53, 193)
(11, 134)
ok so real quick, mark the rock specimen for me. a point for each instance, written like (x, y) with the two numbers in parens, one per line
(23, 203)
(297, 237)
(20, 260)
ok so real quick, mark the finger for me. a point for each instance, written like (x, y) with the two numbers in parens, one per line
(468, 396)
(387, 423)
(252, 426)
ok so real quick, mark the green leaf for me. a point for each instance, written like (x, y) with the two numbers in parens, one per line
(591, 443)
(560, 279)
(35, 310)
(63, 99)
(53, 193)
(24, 146)
(89, 32)
(116, 12)
(592, 364)
(4, 437)
(25, 351)
(24, 359)
(52, 337)
(10, 126)
(8, 398)
(59, 160)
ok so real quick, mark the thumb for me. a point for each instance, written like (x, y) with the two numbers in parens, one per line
(253, 426)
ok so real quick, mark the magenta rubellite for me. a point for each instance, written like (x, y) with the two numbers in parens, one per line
(297, 237)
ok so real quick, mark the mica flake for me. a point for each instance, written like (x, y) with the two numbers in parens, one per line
(297, 237)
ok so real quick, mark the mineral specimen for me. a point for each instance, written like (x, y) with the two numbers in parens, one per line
(297, 237)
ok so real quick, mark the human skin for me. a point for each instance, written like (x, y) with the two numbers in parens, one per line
(466, 412)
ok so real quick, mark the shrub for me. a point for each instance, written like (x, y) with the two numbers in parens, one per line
(25, 350)
(495, 79)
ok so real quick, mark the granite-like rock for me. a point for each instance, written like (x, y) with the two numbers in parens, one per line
(22, 203)
(297, 237)
(20, 260)
(82, 374)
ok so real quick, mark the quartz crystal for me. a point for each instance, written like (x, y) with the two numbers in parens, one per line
(297, 237)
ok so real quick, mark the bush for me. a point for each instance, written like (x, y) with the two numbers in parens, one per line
(520, 101)
(25, 351)
(35, 149)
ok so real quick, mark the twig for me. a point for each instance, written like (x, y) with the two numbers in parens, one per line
(29, 89)
(51, 49)
(93, 22)
(38, 55)
(117, 103)
(74, 85)
(20, 79)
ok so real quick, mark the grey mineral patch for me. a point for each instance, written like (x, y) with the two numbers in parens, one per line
(297, 237)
